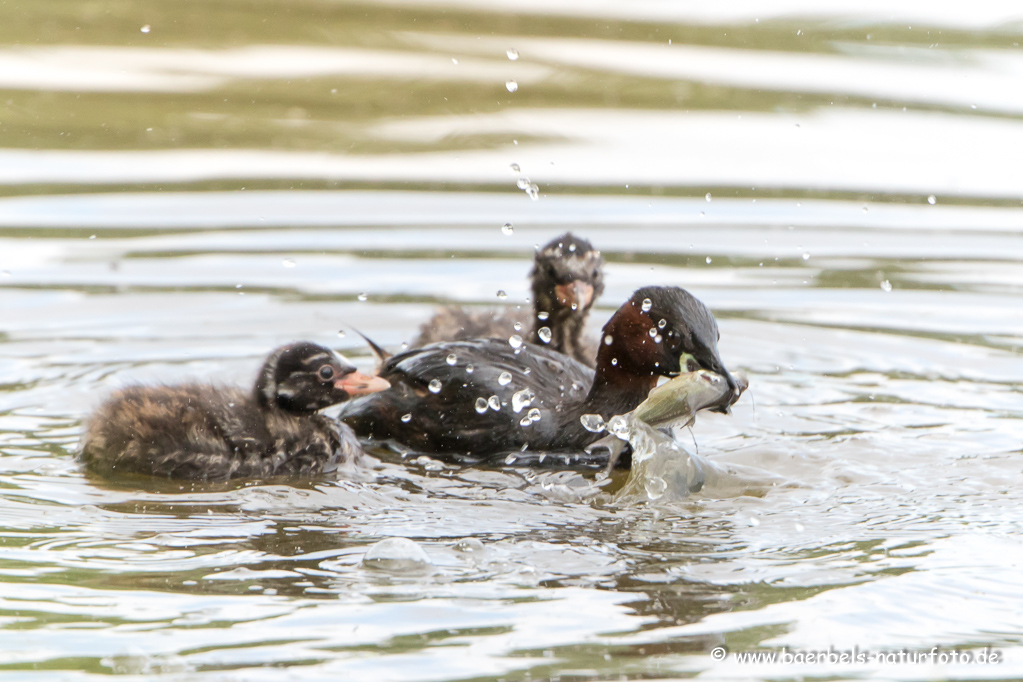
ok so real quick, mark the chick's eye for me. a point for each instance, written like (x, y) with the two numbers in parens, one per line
(326, 372)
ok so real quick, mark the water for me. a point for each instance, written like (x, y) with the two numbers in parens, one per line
(176, 202)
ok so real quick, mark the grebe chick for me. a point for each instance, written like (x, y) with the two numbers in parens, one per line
(202, 432)
(566, 279)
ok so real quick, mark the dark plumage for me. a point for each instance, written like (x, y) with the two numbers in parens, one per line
(202, 432)
(449, 390)
(567, 278)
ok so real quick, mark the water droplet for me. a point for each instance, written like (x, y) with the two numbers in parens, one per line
(517, 326)
(526, 421)
(363, 296)
(593, 423)
(435, 386)
(619, 427)
(470, 546)
(512, 54)
(932, 200)
(542, 315)
(571, 248)
(501, 295)
(707, 197)
(533, 414)
(510, 459)
(709, 260)
(608, 340)
(806, 256)
(512, 86)
(522, 399)
(515, 168)
(655, 487)
(754, 521)
(288, 262)
(507, 230)
(544, 333)
(504, 379)
(146, 29)
(515, 341)
(658, 338)
(451, 359)
(647, 304)
(495, 403)
(614, 362)
(652, 332)
(886, 285)
(406, 418)
(469, 369)
(481, 405)
(661, 324)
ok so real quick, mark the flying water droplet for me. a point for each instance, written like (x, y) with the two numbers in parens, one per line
(363, 297)
(522, 399)
(507, 230)
(647, 304)
(515, 341)
(614, 362)
(593, 423)
(501, 295)
(655, 487)
(481, 405)
(451, 359)
(709, 260)
(608, 340)
(517, 326)
(512, 54)
(495, 403)
(515, 168)
(652, 332)
(806, 256)
(406, 418)
(658, 338)
(886, 285)
(932, 200)
(661, 324)
(512, 86)
(341, 334)
(708, 197)
(542, 315)
(533, 414)
(146, 29)
(544, 333)
(288, 262)
(619, 427)
(504, 379)
(469, 369)
(435, 386)
(526, 421)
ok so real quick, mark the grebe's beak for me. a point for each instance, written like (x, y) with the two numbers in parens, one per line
(576, 295)
(357, 383)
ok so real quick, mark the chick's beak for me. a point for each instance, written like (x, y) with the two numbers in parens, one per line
(576, 295)
(357, 383)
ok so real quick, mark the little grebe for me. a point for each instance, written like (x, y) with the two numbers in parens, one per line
(567, 278)
(485, 397)
(202, 432)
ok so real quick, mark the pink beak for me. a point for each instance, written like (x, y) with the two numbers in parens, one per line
(357, 383)
(576, 295)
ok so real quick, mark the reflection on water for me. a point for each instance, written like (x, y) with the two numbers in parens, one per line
(836, 182)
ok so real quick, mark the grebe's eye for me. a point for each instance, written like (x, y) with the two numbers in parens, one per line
(326, 372)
